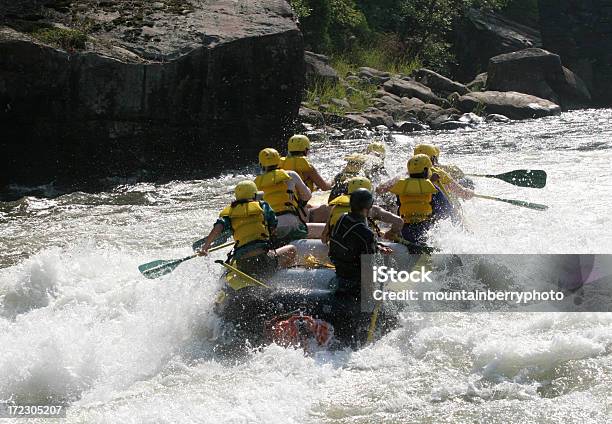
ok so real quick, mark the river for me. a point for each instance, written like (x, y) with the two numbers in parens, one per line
(79, 324)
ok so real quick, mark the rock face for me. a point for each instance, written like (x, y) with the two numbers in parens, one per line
(581, 33)
(175, 87)
(486, 34)
(540, 73)
(403, 88)
(318, 69)
(438, 83)
(511, 104)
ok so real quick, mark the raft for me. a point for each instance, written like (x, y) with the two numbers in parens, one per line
(303, 295)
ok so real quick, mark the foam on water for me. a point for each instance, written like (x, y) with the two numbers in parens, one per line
(79, 324)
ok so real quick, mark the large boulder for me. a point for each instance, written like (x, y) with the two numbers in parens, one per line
(540, 73)
(318, 69)
(581, 33)
(174, 87)
(439, 83)
(511, 104)
(404, 88)
(484, 34)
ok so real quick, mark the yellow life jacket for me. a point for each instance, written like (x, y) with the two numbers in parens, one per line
(342, 205)
(300, 165)
(445, 179)
(415, 195)
(275, 186)
(248, 222)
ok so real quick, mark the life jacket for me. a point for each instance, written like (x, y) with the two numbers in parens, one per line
(247, 220)
(342, 205)
(414, 197)
(444, 177)
(275, 186)
(300, 165)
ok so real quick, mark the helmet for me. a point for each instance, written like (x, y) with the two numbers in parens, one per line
(357, 183)
(378, 149)
(418, 164)
(427, 149)
(269, 157)
(355, 162)
(298, 143)
(361, 199)
(245, 190)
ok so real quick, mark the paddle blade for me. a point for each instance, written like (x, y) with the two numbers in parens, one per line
(535, 206)
(158, 268)
(533, 178)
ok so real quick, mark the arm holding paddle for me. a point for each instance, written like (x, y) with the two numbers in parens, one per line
(216, 231)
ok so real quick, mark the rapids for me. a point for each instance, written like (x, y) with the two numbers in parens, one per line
(79, 324)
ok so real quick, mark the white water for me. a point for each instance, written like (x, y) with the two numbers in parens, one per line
(79, 324)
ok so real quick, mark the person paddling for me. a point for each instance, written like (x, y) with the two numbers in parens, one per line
(440, 175)
(296, 160)
(287, 195)
(420, 201)
(253, 224)
(350, 238)
(341, 205)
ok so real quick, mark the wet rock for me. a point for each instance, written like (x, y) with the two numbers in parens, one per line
(438, 83)
(483, 35)
(410, 126)
(317, 69)
(404, 88)
(311, 116)
(479, 83)
(452, 125)
(540, 73)
(377, 117)
(511, 104)
(495, 117)
(471, 118)
(349, 120)
(223, 80)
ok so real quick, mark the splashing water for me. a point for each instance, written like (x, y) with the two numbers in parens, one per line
(78, 323)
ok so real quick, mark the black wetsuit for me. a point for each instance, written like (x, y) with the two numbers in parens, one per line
(351, 237)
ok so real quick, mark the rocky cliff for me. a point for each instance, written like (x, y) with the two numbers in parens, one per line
(581, 33)
(93, 89)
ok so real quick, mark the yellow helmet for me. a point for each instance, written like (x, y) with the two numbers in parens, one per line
(245, 190)
(269, 157)
(355, 162)
(359, 182)
(427, 149)
(377, 149)
(298, 143)
(418, 164)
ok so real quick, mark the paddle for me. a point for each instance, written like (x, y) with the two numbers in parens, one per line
(217, 242)
(161, 267)
(534, 178)
(240, 273)
(535, 206)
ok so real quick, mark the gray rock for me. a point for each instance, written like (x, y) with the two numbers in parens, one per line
(511, 104)
(377, 117)
(495, 117)
(404, 88)
(374, 76)
(438, 83)
(410, 126)
(580, 32)
(540, 73)
(223, 80)
(310, 116)
(317, 69)
(483, 35)
(479, 83)
(343, 103)
(452, 125)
